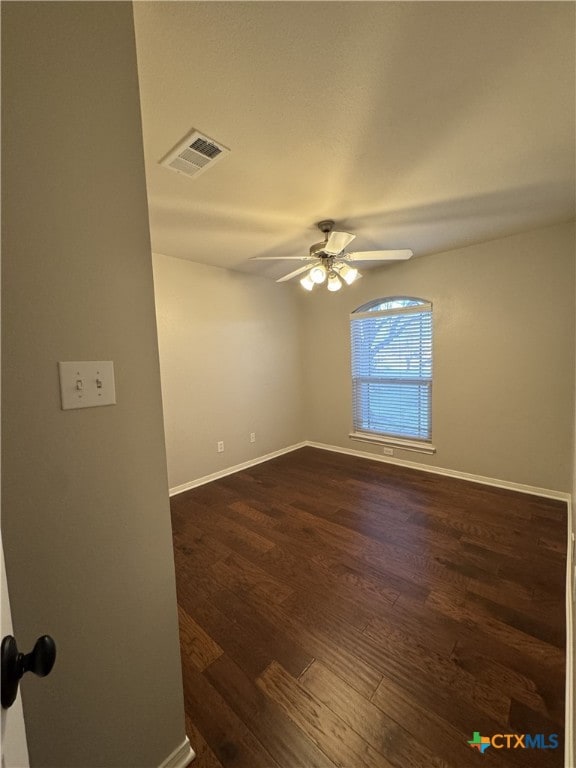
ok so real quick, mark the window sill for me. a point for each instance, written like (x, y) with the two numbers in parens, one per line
(394, 442)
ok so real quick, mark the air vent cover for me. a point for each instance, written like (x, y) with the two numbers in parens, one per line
(194, 154)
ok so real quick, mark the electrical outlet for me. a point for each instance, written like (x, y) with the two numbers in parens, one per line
(387, 451)
(220, 446)
(252, 437)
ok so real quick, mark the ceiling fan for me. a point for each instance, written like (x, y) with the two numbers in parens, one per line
(328, 262)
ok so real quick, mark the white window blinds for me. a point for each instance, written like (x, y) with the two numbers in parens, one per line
(392, 368)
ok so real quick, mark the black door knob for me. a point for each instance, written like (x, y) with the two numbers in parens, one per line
(15, 664)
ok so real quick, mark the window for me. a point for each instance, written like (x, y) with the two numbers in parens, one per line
(392, 371)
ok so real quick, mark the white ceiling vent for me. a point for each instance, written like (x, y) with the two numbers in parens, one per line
(194, 154)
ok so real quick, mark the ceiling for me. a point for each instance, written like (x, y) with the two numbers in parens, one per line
(422, 125)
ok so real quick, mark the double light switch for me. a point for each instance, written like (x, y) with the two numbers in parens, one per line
(87, 384)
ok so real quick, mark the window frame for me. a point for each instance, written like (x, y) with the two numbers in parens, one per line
(370, 310)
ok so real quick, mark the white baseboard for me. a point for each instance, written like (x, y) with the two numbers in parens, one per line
(231, 470)
(181, 757)
(569, 756)
(533, 490)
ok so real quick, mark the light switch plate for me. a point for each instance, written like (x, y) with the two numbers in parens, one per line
(87, 384)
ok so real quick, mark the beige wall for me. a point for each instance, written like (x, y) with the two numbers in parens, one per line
(230, 361)
(85, 516)
(570, 751)
(503, 390)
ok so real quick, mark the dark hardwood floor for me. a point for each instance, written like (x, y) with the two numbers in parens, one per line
(336, 611)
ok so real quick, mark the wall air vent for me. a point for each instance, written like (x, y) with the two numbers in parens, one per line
(194, 154)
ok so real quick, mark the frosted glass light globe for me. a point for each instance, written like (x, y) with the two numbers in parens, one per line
(307, 283)
(348, 274)
(334, 282)
(317, 274)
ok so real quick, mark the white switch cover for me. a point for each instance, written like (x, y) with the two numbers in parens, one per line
(87, 384)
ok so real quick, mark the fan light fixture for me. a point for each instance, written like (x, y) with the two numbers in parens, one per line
(333, 276)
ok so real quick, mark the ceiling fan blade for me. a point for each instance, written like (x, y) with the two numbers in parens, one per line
(337, 241)
(275, 258)
(293, 274)
(379, 255)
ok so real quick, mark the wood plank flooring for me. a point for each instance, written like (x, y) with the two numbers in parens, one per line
(336, 611)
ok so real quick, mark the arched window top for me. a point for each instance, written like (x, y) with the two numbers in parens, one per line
(393, 304)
